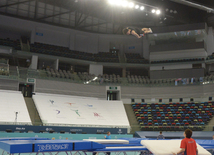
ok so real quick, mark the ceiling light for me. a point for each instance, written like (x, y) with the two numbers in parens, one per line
(111, 1)
(131, 5)
(137, 6)
(175, 12)
(153, 10)
(118, 2)
(142, 8)
(158, 12)
(124, 3)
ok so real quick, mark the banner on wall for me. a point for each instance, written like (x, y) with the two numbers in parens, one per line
(88, 130)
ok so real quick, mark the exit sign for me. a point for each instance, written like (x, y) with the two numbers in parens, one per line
(113, 88)
(31, 80)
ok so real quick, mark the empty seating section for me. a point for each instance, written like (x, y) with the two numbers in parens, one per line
(177, 60)
(4, 67)
(210, 56)
(173, 116)
(100, 78)
(12, 43)
(135, 58)
(106, 57)
(138, 79)
(66, 52)
(10, 103)
(79, 111)
(59, 74)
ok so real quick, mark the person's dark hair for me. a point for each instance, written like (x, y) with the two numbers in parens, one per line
(125, 30)
(108, 132)
(188, 133)
(160, 132)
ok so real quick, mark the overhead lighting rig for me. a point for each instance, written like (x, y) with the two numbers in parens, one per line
(135, 5)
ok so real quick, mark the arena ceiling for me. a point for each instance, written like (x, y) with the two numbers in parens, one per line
(98, 16)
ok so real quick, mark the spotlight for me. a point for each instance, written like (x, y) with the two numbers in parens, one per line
(167, 9)
(124, 3)
(158, 12)
(171, 11)
(137, 6)
(131, 5)
(165, 18)
(175, 12)
(142, 8)
(153, 10)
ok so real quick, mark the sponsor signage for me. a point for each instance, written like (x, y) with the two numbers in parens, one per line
(39, 34)
(37, 129)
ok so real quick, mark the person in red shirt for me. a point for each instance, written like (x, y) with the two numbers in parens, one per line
(188, 145)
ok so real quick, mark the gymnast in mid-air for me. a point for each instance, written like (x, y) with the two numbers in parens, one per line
(139, 33)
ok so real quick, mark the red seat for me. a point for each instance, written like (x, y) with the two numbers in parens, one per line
(210, 114)
(173, 123)
(186, 123)
(198, 112)
(158, 112)
(144, 105)
(155, 121)
(170, 103)
(189, 112)
(145, 112)
(170, 118)
(177, 112)
(167, 115)
(137, 105)
(178, 117)
(159, 115)
(135, 110)
(192, 107)
(200, 120)
(183, 109)
(168, 109)
(186, 117)
(142, 117)
(207, 111)
(138, 115)
(149, 123)
(161, 107)
(204, 106)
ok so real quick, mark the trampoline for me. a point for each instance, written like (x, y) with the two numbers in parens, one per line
(125, 146)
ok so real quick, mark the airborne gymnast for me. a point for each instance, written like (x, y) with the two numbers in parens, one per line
(139, 33)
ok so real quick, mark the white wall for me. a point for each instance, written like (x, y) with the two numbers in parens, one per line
(96, 69)
(210, 41)
(34, 62)
(53, 37)
(196, 53)
(167, 67)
